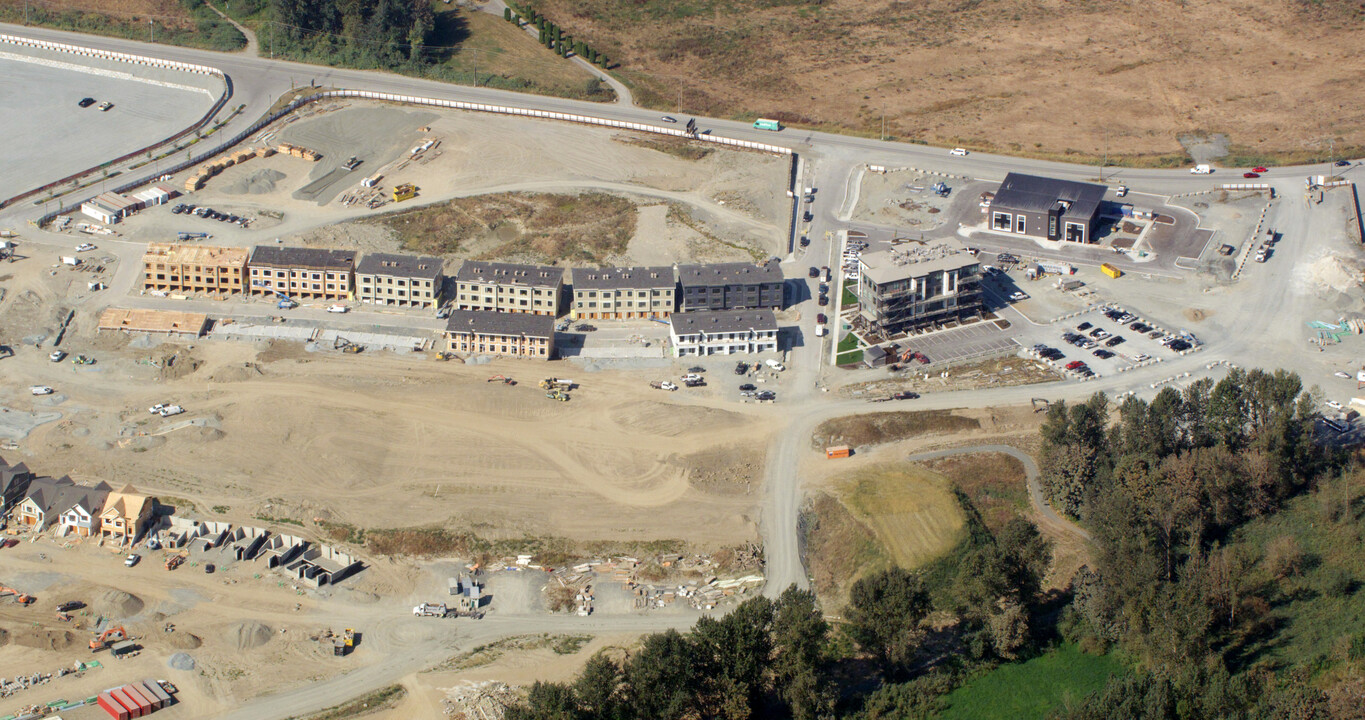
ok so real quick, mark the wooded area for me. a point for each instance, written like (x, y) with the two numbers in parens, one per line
(1228, 550)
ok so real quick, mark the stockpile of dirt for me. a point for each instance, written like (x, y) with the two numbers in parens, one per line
(45, 639)
(177, 365)
(248, 635)
(183, 640)
(256, 183)
(116, 604)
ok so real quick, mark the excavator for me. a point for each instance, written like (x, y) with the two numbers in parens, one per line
(107, 638)
(19, 597)
(502, 379)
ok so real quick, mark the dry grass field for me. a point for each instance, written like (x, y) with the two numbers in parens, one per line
(1047, 77)
(911, 511)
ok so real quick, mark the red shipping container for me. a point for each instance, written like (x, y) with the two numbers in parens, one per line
(113, 707)
(146, 703)
(134, 710)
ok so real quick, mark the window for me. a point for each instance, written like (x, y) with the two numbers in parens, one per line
(1001, 221)
(1019, 223)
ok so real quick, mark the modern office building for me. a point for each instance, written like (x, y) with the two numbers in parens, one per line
(900, 290)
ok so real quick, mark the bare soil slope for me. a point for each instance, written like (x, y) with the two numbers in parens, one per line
(1045, 77)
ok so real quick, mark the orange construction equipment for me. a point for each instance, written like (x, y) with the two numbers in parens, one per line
(108, 638)
(838, 451)
(19, 597)
(503, 379)
(174, 561)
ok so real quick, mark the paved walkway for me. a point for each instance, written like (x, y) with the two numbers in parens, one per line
(623, 96)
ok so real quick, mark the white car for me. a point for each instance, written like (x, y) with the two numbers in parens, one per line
(132, 560)
(170, 410)
(1142, 357)
(1334, 405)
(56, 356)
(1121, 191)
(84, 247)
(1018, 295)
(775, 365)
(691, 377)
(958, 151)
(337, 309)
(156, 408)
(40, 390)
(668, 119)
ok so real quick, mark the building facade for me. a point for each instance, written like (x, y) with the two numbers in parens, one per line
(83, 506)
(308, 273)
(731, 286)
(126, 512)
(401, 280)
(624, 293)
(483, 332)
(504, 287)
(723, 332)
(1046, 208)
(43, 503)
(194, 268)
(900, 290)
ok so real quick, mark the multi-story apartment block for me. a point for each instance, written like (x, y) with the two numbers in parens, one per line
(194, 268)
(731, 286)
(900, 290)
(402, 280)
(309, 273)
(723, 332)
(624, 293)
(482, 332)
(504, 287)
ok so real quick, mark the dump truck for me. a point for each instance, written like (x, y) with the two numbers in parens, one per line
(556, 384)
(406, 191)
(431, 610)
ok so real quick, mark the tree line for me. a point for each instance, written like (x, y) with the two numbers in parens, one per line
(553, 37)
(1164, 487)
(361, 33)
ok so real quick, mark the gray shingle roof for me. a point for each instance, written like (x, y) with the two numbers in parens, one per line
(509, 273)
(310, 258)
(1032, 193)
(486, 322)
(729, 274)
(719, 321)
(623, 277)
(395, 265)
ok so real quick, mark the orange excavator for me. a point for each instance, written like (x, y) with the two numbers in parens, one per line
(108, 638)
(19, 597)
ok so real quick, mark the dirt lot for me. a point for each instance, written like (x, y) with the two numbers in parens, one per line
(1050, 73)
(719, 205)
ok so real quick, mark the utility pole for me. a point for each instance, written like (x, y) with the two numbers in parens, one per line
(151, 30)
(476, 68)
(272, 39)
(1105, 158)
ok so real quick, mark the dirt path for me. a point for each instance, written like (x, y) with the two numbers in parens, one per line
(252, 47)
(623, 96)
(1035, 492)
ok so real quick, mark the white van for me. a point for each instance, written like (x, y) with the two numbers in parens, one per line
(1201, 170)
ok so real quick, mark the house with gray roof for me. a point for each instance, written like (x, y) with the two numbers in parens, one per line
(13, 484)
(80, 508)
(400, 280)
(723, 332)
(509, 288)
(307, 273)
(481, 332)
(624, 293)
(1047, 208)
(731, 286)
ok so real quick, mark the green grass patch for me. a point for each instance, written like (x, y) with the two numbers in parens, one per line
(488, 654)
(279, 520)
(849, 299)
(1033, 689)
(188, 23)
(364, 705)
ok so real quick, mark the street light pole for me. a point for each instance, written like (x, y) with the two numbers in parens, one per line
(151, 30)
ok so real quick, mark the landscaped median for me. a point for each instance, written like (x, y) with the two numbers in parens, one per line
(849, 351)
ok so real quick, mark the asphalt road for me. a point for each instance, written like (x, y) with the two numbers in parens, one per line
(1257, 335)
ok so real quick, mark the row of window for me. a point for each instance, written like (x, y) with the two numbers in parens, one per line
(162, 267)
(622, 304)
(503, 289)
(626, 293)
(301, 274)
(400, 282)
(196, 279)
(721, 337)
(519, 303)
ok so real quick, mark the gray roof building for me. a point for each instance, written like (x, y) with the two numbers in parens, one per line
(730, 273)
(1046, 208)
(723, 321)
(731, 286)
(641, 278)
(310, 258)
(13, 483)
(408, 266)
(509, 273)
(487, 322)
(723, 332)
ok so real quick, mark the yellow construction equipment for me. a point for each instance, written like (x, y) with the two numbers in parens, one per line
(406, 191)
(174, 561)
(559, 395)
(1110, 270)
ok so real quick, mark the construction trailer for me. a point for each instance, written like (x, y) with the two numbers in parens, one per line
(838, 451)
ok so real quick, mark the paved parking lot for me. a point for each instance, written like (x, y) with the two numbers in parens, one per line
(961, 343)
(1137, 348)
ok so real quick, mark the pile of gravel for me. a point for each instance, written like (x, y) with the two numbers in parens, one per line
(181, 661)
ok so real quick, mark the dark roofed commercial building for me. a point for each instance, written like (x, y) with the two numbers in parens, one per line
(723, 332)
(310, 273)
(484, 332)
(1047, 208)
(731, 286)
(624, 292)
(401, 280)
(505, 287)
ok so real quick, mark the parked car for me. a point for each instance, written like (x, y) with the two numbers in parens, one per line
(170, 410)
(41, 390)
(56, 356)
(960, 152)
(86, 102)
(132, 560)
(1142, 357)
(84, 247)
(1333, 404)
(823, 301)
(1179, 345)
(1114, 341)
(1103, 354)
(821, 319)
(338, 309)
(1018, 295)
(104, 106)
(741, 367)
(1074, 364)
(1099, 333)
(1259, 169)
(1084, 326)
(748, 387)
(1250, 175)
(696, 369)
(814, 272)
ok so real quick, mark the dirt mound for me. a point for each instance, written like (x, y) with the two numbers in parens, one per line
(236, 373)
(207, 434)
(183, 640)
(248, 635)
(116, 604)
(45, 639)
(1333, 272)
(181, 661)
(256, 183)
(177, 365)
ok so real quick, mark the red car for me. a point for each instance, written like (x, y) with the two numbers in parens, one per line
(1259, 169)
(821, 318)
(1074, 364)
(1251, 175)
